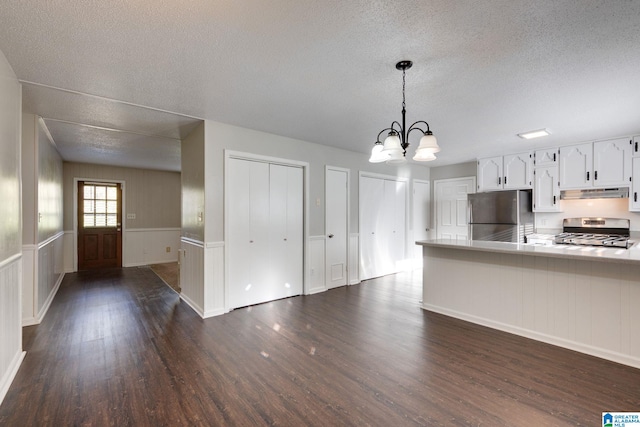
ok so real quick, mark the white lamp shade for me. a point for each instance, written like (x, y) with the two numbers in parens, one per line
(424, 155)
(377, 156)
(396, 156)
(428, 142)
(392, 143)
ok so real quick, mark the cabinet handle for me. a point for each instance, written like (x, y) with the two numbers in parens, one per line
(635, 196)
(595, 176)
(636, 147)
(587, 176)
(505, 180)
(554, 157)
(499, 180)
(554, 200)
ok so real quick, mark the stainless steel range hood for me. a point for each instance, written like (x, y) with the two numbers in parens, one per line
(599, 193)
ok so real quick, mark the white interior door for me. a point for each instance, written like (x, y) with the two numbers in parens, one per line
(451, 207)
(421, 207)
(336, 220)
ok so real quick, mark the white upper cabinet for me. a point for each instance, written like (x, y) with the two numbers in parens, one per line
(490, 174)
(505, 173)
(576, 164)
(517, 171)
(598, 164)
(546, 193)
(636, 146)
(546, 157)
(612, 162)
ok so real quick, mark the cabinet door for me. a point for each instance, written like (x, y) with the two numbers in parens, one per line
(612, 162)
(576, 162)
(634, 196)
(490, 174)
(517, 171)
(547, 157)
(546, 193)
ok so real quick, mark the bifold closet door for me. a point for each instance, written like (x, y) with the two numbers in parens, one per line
(265, 255)
(285, 227)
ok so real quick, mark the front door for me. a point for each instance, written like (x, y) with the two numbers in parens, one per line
(99, 225)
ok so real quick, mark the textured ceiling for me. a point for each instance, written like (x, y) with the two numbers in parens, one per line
(324, 71)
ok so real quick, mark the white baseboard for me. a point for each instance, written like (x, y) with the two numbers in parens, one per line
(571, 345)
(49, 300)
(11, 373)
(195, 307)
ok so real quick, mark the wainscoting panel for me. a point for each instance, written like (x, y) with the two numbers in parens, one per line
(50, 272)
(192, 274)
(29, 279)
(67, 257)
(316, 267)
(144, 246)
(354, 251)
(11, 353)
(214, 304)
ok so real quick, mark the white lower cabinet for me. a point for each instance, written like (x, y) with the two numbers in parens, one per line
(546, 192)
(265, 225)
(382, 226)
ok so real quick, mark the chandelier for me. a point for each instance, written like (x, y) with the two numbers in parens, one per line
(394, 149)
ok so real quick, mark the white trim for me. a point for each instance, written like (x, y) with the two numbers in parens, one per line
(144, 230)
(382, 176)
(49, 240)
(354, 267)
(560, 342)
(75, 214)
(47, 303)
(231, 154)
(210, 245)
(9, 260)
(192, 304)
(10, 374)
(194, 242)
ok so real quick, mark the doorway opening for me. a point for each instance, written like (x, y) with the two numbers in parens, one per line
(99, 225)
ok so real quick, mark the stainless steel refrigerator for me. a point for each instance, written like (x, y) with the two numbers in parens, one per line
(503, 216)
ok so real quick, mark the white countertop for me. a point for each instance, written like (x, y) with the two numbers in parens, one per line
(617, 255)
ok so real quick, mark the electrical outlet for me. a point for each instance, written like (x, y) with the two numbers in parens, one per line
(168, 249)
(131, 216)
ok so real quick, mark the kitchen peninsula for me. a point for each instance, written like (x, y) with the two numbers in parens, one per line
(582, 298)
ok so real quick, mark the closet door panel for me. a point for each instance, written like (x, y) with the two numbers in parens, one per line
(371, 218)
(286, 232)
(248, 230)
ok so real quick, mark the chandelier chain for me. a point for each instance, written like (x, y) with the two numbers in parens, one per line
(403, 85)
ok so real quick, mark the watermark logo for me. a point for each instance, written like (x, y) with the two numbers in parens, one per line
(620, 419)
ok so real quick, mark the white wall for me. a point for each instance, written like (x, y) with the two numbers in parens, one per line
(11, 353)
(42, 234)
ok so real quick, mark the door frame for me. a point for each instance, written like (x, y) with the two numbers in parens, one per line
(435, 195)
(327, 168)
(229, 154)
(76, 180)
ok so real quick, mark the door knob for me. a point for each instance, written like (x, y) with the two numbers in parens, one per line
(330, 236)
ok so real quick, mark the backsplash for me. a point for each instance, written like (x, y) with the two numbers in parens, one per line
(609, 208)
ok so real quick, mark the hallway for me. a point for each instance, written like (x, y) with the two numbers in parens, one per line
(118, 347)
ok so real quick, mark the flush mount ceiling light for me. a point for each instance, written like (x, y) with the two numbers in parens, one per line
(395, 146)
(535, 134)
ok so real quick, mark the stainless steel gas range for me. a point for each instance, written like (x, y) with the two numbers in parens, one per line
(609, 232)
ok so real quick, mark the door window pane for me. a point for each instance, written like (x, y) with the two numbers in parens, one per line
(100, 205)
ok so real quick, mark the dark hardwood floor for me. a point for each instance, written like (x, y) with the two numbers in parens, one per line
(117, 347)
